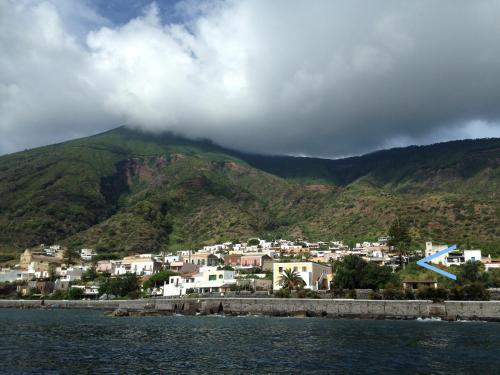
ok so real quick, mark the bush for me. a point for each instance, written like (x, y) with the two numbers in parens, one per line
(435, 294)
(282, 293)
(392, 293)
(494, 278)
(90, 275)
(75, 293)
(313, 294)
(471, 272)
(58, 294)
(125, 285)
(470, 292)
(374, 295)
(408, 294)
(351, 293)
(307, 293)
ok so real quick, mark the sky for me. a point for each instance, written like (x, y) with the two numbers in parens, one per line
(326, 78)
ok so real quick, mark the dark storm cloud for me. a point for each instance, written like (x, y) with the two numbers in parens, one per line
(327, 78)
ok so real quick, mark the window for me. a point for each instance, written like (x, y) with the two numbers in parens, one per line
(212, 277)
(280, 269)
(304, 269)
(221, 276)
(295, 269)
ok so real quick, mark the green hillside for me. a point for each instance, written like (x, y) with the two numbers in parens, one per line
(126, 191)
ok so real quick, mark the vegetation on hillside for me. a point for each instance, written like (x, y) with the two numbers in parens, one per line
(124, 192)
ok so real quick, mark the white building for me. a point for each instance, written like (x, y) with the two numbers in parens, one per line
(72, 273)
(177, 286)
(208, 280)
(168, 259)
(454, 258)
(87, 254)
(462, 257)
(9, 275)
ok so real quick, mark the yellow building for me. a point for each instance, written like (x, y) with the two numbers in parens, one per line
(316, 276)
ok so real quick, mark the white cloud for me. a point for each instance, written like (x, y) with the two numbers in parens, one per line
(323, 78)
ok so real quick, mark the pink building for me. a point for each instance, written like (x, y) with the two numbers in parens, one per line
(104, 266)
(254, 260)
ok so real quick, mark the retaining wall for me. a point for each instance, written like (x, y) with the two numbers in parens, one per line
(335, 308)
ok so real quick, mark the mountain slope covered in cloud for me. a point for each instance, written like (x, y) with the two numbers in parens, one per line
(127, 191)
(329, 78)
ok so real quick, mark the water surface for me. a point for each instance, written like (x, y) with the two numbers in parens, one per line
(81, 341)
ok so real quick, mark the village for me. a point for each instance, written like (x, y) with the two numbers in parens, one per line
(258, 266)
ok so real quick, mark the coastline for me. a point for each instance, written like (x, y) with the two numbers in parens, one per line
(334, 308)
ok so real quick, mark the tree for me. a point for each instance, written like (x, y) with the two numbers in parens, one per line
(90, 275)
(291, 280)
(158, 279)
(353, 272)
(348, 272)
(75, 293)
(470, 272)
(52, 272)
(400, 238)
(253, 242)
(494, 278)
(70, 255)
(125, 285)
(376, 277)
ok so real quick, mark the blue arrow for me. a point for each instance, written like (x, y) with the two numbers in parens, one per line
(422, 263)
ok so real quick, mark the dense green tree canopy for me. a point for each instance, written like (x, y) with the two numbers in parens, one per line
(353, 272)
(158, 279)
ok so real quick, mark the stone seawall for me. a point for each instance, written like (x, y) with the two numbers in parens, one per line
(335, 308)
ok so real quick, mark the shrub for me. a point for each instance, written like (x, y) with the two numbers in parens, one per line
(75, 293)
(125, 285)
(392, 293)
(307, 293)
(476, 291)
(90, 275)
(408, 294)
(435, 294)
(351, 293)
(282, 293)
(374, 295)
(58, 294)
(313, 294)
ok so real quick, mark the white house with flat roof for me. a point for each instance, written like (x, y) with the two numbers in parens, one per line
(453, 258)
(208, 280)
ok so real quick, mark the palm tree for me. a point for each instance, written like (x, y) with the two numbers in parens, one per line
(291, 280)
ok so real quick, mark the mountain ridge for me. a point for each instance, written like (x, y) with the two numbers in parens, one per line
(127, 191)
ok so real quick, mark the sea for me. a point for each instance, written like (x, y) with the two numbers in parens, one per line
(88, 342)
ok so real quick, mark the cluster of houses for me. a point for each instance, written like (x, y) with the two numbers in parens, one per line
(219, 268)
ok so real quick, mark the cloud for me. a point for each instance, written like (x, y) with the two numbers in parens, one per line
(324, 79)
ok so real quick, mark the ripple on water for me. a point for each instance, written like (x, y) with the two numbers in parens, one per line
(73, 341)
